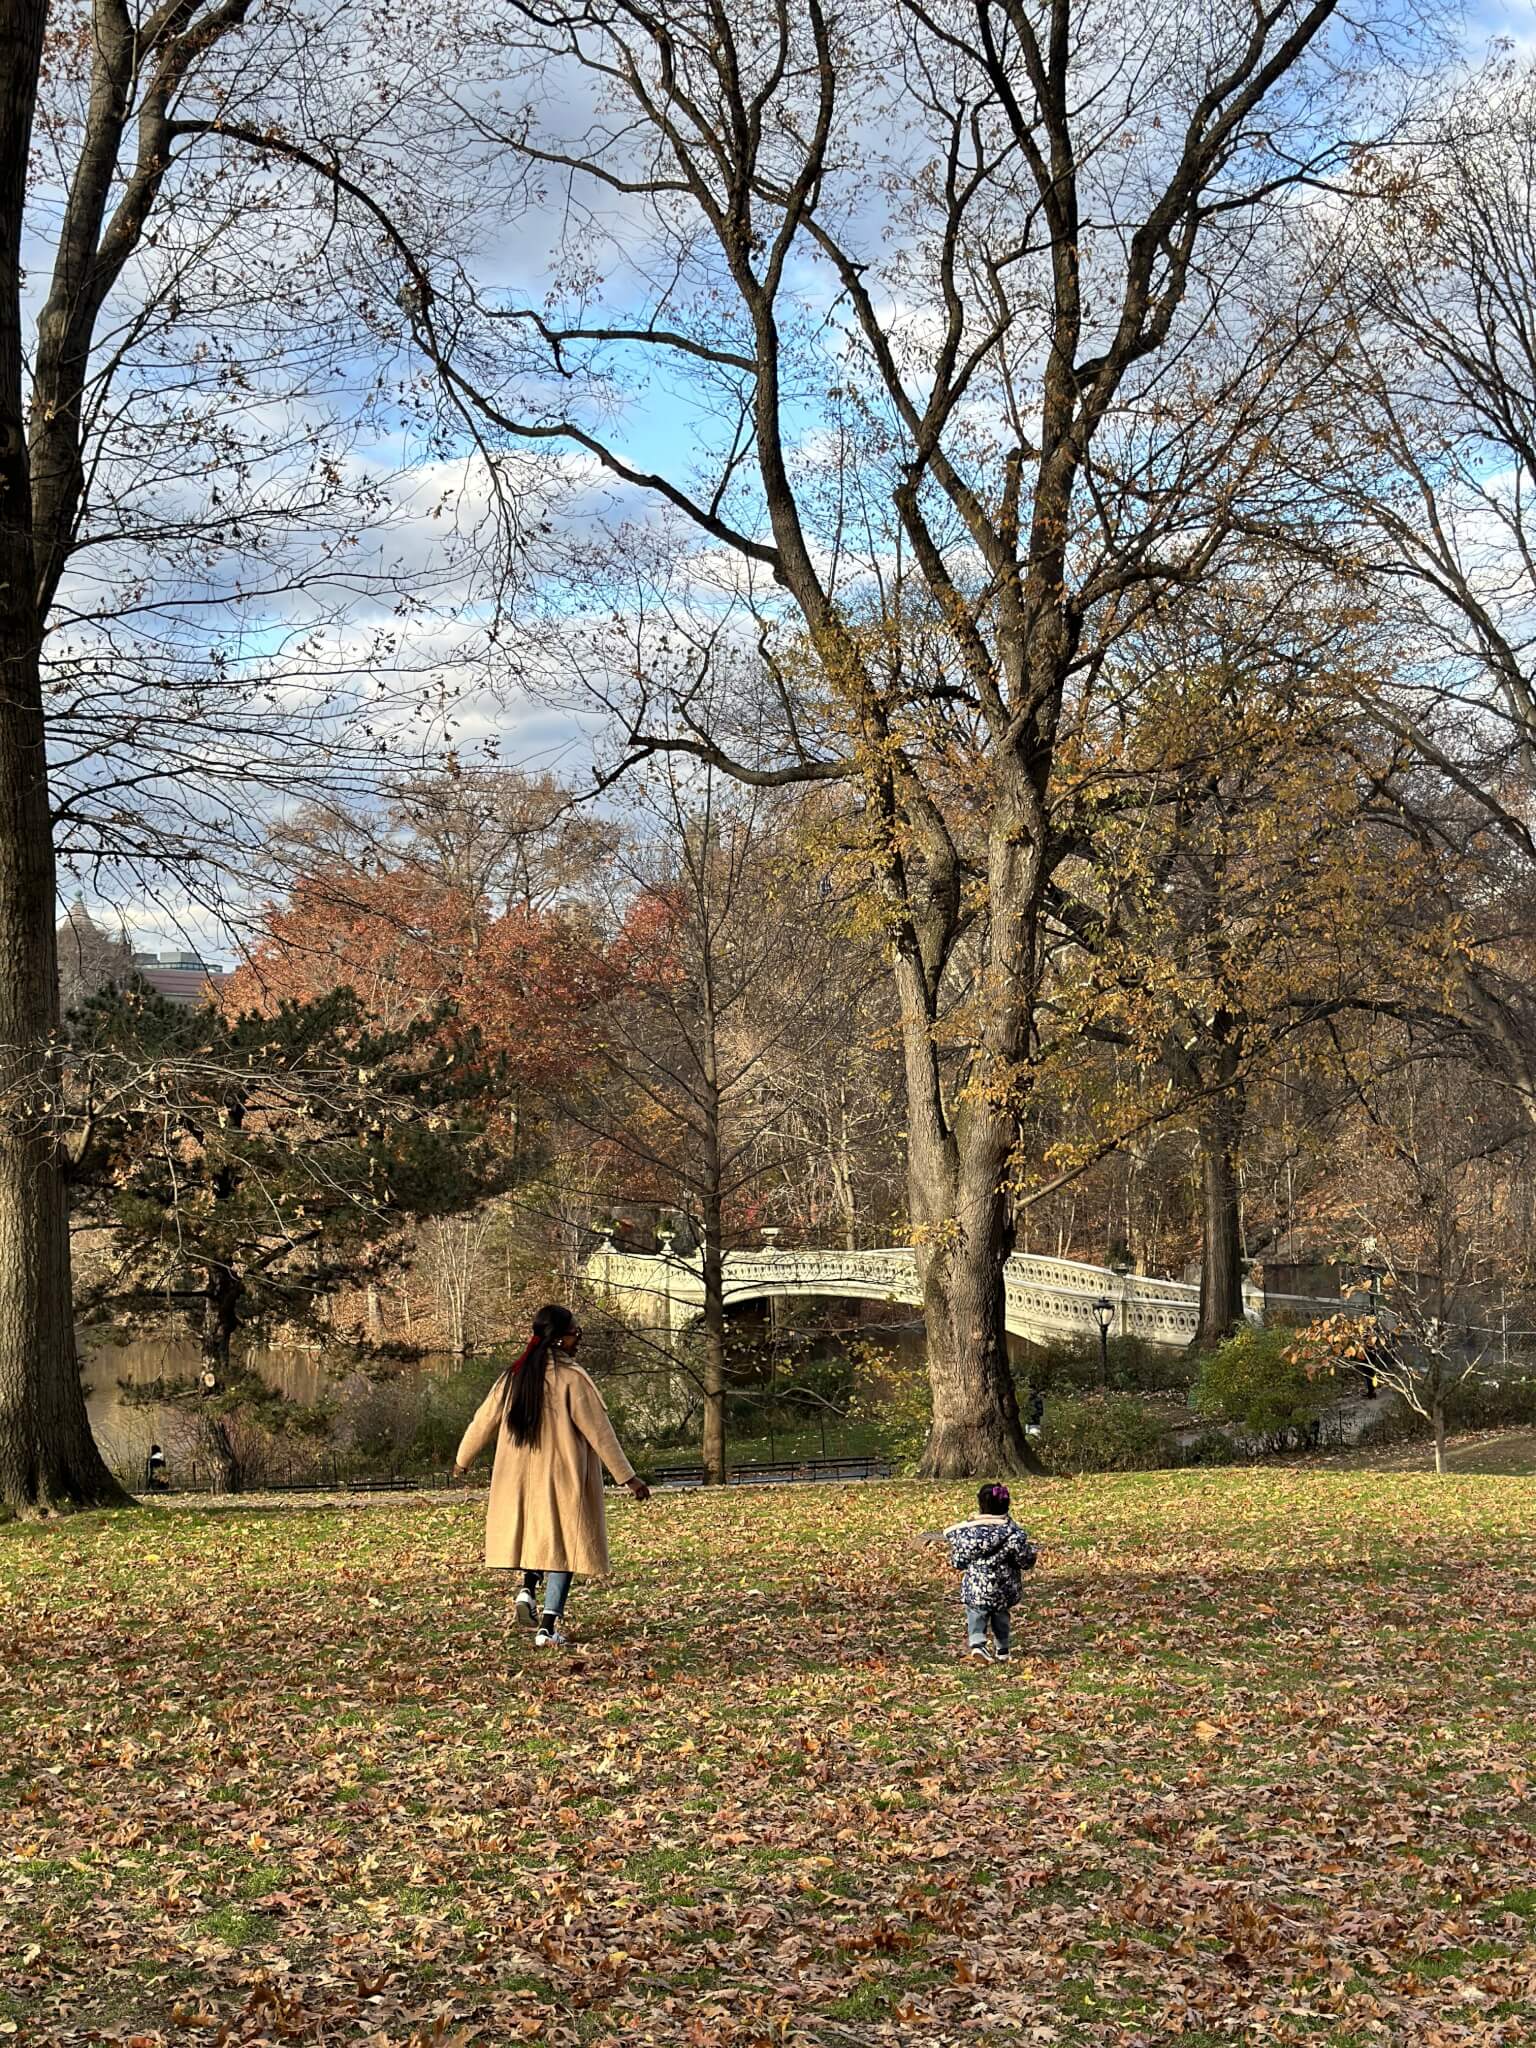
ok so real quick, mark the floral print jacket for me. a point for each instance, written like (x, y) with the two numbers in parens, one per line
(994, 1553)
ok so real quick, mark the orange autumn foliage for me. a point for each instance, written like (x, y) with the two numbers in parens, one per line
(404, 942)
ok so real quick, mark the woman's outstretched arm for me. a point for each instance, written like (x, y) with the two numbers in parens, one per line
(591, 1418)
(482, 1428)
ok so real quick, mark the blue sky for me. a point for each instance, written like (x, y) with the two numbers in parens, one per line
(654, 431)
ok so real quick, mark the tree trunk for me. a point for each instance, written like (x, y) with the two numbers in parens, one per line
(48, 1457)
(220, 1320)
(960, 1207)
(977, 1431)
(712, 1252)
(957, 1178)
(1221, 1261)
(713, 1446)
(452, 1262)
(1438, 1418)
(842, 1175)
(219, 1449)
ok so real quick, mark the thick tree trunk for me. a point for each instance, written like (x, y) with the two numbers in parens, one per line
(957, 1173)
(1221, 1261)
(48, 1458)
(977, 1431)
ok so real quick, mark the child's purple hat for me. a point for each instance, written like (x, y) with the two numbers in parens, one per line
(993, 1499)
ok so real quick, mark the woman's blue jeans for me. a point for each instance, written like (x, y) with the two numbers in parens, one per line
(557, 1589)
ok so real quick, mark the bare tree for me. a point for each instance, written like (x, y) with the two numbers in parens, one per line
(1430, 447)
(181, 536)
(1430, 1245)
(452, 1250)
(966, 306)
(512, 840)
(714, 983)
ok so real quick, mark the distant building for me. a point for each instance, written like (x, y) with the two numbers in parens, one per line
(89, 960)
(179, 977)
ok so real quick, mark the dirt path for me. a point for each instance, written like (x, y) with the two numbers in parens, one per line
(1492, 1451)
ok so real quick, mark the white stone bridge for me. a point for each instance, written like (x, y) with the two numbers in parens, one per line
(1047, 1299)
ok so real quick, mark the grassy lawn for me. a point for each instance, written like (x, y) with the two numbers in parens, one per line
(284, 1773)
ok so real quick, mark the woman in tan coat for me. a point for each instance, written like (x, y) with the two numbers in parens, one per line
(552, 1434)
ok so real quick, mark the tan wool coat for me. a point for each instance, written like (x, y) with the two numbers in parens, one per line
(546, 1511)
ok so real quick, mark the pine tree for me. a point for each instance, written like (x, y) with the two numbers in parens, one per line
(247, 1167)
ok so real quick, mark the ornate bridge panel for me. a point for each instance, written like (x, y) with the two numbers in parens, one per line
(1046, 1298)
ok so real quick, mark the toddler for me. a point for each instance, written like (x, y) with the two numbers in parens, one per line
(993, 1552)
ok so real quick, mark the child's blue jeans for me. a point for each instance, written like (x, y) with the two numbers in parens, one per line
(979, 1619)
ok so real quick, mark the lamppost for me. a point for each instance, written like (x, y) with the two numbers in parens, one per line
(770, 1236)
(1104, 1313)
(1373, 1276)
(1373, 1290)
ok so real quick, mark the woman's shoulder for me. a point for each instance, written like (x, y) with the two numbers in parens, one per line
(566, 1373)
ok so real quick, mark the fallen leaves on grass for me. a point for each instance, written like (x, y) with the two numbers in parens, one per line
(290, 1774)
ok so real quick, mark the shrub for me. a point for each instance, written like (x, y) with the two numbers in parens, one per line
(894, 1398)
(450, 1402)
(1210, 1447)
(1135, 1367)
(1394, 1424)
(1092, 1433)
(1104, 1433)
(803, 1380)
(404, 1422)
(1496, 1402)
(1250, 1382)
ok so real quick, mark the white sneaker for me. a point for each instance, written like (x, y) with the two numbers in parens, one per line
(525, 1608)
(985, 1656)
(550, 1635)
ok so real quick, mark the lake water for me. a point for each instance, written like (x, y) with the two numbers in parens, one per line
(125, 1428)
